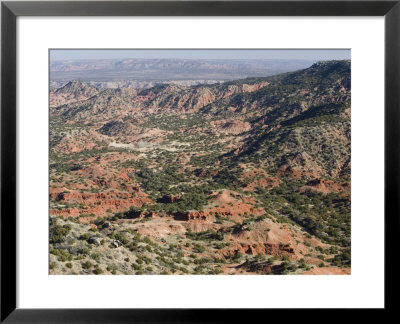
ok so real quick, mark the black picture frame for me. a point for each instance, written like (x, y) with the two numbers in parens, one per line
(11, 10)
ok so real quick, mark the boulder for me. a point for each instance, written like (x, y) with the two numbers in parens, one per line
(94, 240)
(116, 243)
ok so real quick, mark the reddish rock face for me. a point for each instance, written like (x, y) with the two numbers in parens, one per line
(269, 182)
(192, 216)
(278, 249)
(97, 204)
(327, 186)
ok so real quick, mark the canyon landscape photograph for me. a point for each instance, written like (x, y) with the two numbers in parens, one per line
(199, 162)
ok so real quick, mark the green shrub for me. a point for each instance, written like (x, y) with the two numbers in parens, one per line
(285, 258)
(87, 265)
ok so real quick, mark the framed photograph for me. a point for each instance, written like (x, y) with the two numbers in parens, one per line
(162, 159)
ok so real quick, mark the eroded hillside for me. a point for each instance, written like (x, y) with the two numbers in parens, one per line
(247, 177)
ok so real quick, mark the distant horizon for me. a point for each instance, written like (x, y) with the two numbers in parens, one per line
(200, 54)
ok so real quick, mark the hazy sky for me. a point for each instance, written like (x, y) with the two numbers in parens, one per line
(319, 54)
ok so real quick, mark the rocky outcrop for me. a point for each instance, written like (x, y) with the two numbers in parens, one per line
(231, 127)
(169, 199)
(327, 186)
(94, 240)
(192, 216)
